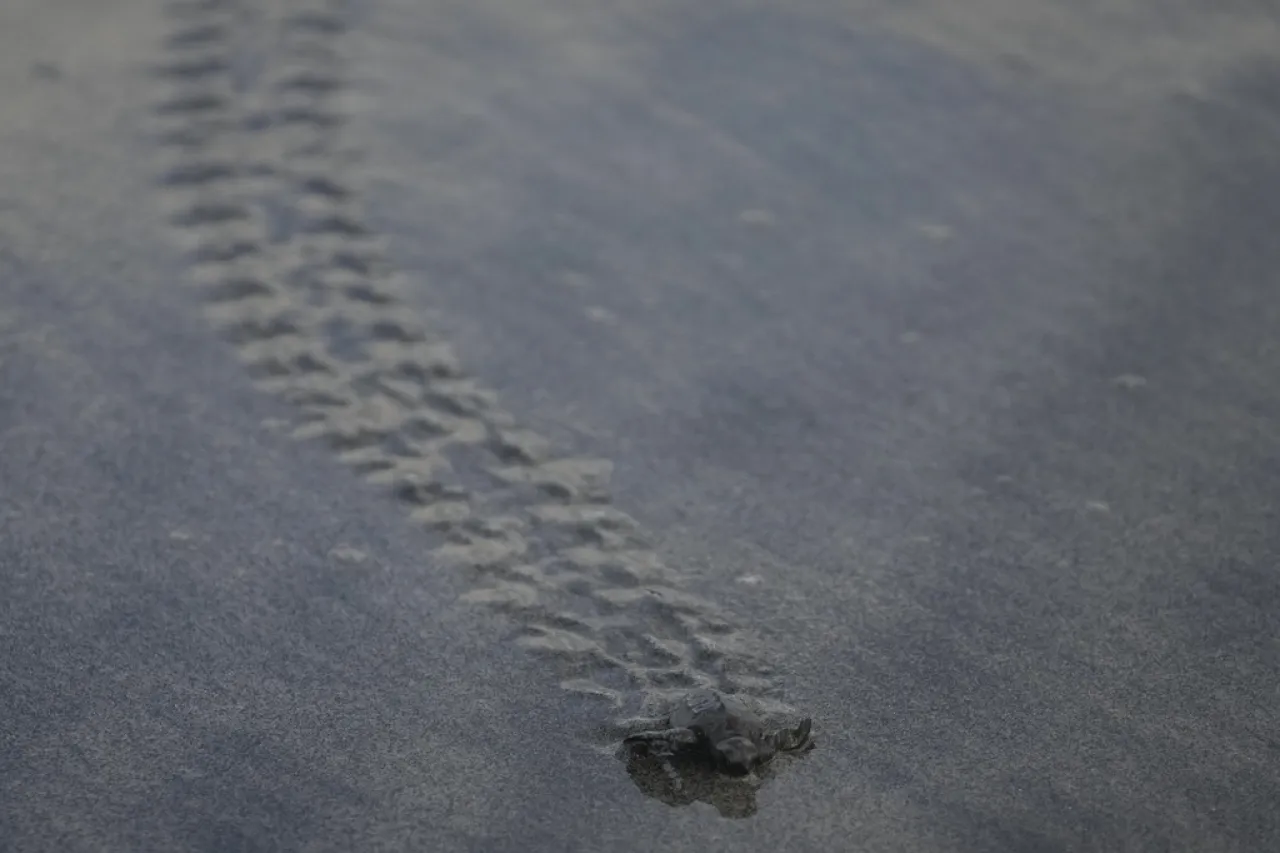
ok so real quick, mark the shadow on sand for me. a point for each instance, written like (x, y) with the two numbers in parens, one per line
(682, 780)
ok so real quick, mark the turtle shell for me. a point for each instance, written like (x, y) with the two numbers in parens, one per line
(717, 717)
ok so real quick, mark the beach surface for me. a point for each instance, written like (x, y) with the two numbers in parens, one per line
(398, 400)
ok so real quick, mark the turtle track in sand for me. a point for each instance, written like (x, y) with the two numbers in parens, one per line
(260, 189)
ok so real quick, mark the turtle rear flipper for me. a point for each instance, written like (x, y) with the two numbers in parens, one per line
(663, 742)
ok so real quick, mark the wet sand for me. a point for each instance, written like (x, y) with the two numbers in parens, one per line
(906, 370)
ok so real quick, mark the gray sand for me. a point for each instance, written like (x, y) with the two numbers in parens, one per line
(905, 368)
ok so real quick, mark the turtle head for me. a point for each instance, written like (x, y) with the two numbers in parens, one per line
(736, 755)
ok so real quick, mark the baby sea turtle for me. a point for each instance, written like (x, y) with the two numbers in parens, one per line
(724, 728)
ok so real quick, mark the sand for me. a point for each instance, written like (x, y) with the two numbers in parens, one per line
(398, 400)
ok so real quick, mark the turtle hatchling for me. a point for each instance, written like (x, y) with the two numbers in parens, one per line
(725, 729)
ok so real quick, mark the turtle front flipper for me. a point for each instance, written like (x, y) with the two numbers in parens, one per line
(795, 740)
(664, 741)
